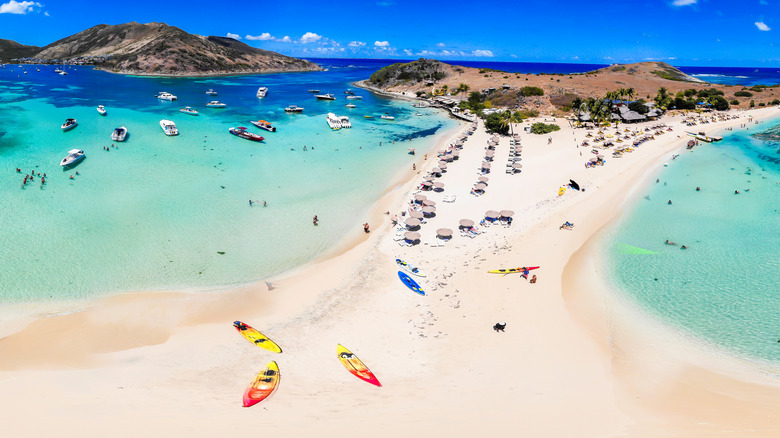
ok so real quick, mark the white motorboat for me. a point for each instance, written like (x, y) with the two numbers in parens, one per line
(345, 123)
(348, 91)
(325, 97)
(119, 134)
(74, 156)
(189, 110)
(354, 97)
(63, 73)
(386, 117)
(211, 92)
(101, 110)
(350, 105)
(334, 121)
(168, 127)
(262, 91)
(164, 95)
(294, 109)
(69, 124)
(262, 124)
(216, 104)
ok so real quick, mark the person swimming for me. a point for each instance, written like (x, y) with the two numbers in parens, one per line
(669, 242)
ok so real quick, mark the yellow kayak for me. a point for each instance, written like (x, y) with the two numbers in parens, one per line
(256, 337)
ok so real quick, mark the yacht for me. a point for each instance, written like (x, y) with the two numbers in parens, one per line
(350, 105)
(262, 124)
(168, 127)
(294, 109)
(325, 97)
(262, 91)
(69, 124)
(345, 123)
(74, 156)
(101, 110)
(216, 104)
(243, 133)
(334, 121)
(164, 95)
(211, 92)
(119, 134)
(387, 117)
(189, 110)
(354, 97)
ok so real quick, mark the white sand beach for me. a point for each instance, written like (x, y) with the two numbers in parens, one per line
(572, 361)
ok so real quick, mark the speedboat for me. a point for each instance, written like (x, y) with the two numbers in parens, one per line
(69, 124)
(74, 156)
(63, 73)
(56, 70)
(350, 105)
(216, 104)
(262, 124)
(243, 133)
(354, 97)
(164, 95)
(294, 109)
(189, 110)
(119, 134)
(262, 91)
(101, 110)
(314, 91)
(333, 121)
(211, 92)
(348, 91)
(387, 117)
(325, 97)
(168, 127)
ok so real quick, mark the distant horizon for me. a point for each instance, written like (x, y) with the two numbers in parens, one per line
(680, 32)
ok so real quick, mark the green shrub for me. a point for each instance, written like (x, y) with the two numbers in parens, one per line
(494, 123)
(544, 128)
(638, 107)
(719, 103)
(531, 91)
(761, 104)
(527, 114)
(743, 94)
(734, 102)
(775, 102)
(752, 103)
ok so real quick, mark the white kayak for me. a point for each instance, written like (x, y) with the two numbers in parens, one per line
(414, 270)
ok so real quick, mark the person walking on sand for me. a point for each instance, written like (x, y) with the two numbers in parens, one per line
(315, 220)
(365, 228)
(499, 327)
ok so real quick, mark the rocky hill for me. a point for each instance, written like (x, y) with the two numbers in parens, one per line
(159, 49)
(12, 50)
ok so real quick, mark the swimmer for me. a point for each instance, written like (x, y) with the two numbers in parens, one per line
(670, 202)
(698, 189)
(669, 242)
(736, 192)
(250, 202)
(683, 247)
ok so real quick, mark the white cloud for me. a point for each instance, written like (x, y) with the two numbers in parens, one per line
(684, 2)
(356, 44)
(381, 44)
(21, 8)
(407, 52)
(310, 37)
(513, 55)
(482, 53)
(761, 26)
(265, 36)
(286, 39)
(234, 36)
(439, 44)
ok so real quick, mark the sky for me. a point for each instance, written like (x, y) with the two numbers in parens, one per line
(680, 32)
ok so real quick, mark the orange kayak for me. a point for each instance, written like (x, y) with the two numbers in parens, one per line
(264, 385)
(356, 366)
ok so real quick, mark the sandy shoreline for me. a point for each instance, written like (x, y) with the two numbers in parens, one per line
(172, 363)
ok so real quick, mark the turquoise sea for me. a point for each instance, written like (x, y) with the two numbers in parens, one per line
(723, 289)
(164, 212)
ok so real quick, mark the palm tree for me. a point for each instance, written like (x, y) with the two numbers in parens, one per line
(463, 88)
(662, 96)
(575, 105)
(630, 93)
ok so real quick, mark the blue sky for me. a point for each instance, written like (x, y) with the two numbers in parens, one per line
(681, 32)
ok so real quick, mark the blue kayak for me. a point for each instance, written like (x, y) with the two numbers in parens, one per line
(411, 284)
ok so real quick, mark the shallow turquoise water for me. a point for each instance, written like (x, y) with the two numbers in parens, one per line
(156, 212)
(723, 289)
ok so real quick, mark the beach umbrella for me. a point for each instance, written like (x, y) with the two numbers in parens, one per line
(420, 198)
(429, 203)
(442, 162)
(415, 214)
(491, 214)
(428, 209)
(466, 223)
(412, 235)
(483, 179)
(444, 232)
(442, 166)
(413, 222)
(517, 166)
(456, 154)
(438, 185)
(593, 160)
(435, 170)
(507, 213)
(485, 165)
(480, 186)
(427, 183)
(574, 184)
(490, 153)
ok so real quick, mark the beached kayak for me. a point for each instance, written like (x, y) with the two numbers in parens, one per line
(256, 337)
(414, 270)
(411, 284)
(356, 366)
(264, 385)
(512, 270)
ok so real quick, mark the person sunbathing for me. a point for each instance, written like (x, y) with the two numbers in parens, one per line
(499, 327)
